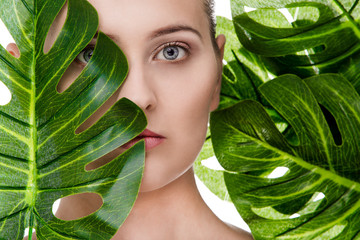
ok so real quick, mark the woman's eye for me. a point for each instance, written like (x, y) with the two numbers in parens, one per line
(171, 53)
(85, 55)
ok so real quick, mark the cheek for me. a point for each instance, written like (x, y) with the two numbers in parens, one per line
(184, 95)
(188, 87)
(187, 98)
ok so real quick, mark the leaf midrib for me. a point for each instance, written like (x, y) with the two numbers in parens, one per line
(31, 192)
(326, 174)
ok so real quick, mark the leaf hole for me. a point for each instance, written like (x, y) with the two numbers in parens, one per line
(55, 29)
(311, 51)
(249, 9)
(301, 16)
(295, 215)
(55, 206)
(98, 113)
(68, 78)
(284, 18)
(104, 159)
(5, 35)
(278, 172)
(319, 196)
(212, 163)
(269, 17)
(78, 206)
(5, 94)
(74, 70)
(332, 125)
(26, 233)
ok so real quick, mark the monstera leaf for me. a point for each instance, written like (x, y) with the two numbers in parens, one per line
(243, 73)
(318, 194)
(291, 158)
(42, 156)
(306, 37)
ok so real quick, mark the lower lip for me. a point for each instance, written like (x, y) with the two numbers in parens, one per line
(150, 142)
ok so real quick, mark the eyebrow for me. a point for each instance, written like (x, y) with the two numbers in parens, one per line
(162, 31)
(172, 29)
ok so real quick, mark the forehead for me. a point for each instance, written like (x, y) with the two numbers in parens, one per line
(128, 16)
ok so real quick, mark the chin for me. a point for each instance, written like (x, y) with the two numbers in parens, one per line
(149, 185)
(167, 163)
(155, 182)
(160, 177)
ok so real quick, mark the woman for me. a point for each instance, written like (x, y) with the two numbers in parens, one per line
(175, 66)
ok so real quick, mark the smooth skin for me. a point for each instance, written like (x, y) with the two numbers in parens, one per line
(175, 77)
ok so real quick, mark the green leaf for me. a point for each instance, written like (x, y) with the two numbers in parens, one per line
(318, 197)
(317, 37)
(42, 158)
(243, 71)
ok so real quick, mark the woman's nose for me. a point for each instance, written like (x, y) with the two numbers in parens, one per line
(137, 87)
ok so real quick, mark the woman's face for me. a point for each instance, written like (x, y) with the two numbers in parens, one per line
(174, 76)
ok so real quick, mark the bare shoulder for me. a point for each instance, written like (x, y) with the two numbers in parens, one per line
(238, 233)
(226, 231)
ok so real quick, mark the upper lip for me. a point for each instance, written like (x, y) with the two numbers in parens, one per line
(148, 133)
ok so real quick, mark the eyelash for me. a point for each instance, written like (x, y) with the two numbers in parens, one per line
(181, 45)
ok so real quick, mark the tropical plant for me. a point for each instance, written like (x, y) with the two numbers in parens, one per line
(297, 63)
(42, 156)
(242, 74)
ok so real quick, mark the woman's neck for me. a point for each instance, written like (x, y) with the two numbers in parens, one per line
(175, 211)
(165, 212)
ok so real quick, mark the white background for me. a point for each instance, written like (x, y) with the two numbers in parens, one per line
(224, 210)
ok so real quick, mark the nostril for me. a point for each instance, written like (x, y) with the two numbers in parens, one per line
(144, 99)
(139, 88)
(148, 107)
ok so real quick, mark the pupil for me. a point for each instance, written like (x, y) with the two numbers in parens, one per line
(171, 53)
(88, 54)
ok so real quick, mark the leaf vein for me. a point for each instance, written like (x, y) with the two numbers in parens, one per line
(21, 27)
(92, 183)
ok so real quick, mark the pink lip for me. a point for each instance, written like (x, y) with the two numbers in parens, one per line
(151, 140)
